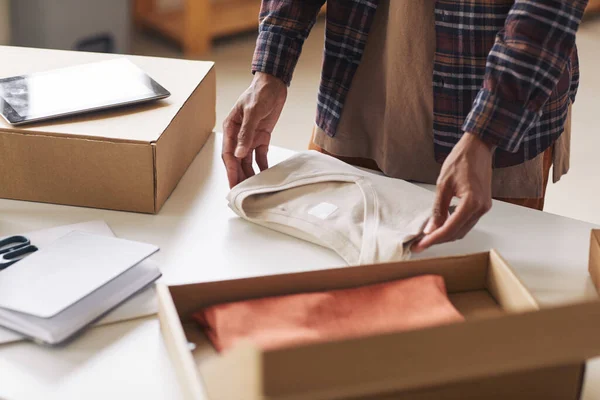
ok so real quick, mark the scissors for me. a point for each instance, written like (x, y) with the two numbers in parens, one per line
(13, 249)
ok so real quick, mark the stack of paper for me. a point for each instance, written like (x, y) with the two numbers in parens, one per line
(56, 292)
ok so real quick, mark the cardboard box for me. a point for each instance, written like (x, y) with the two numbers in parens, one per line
(126, 159)
(506, 349)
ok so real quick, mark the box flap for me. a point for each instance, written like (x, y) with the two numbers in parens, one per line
(175, 342)
(594, 266)
(507, 288)
(143, 123)
(242, 367)
(435, 356)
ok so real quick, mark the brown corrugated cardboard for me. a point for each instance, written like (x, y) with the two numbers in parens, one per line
(126, 159)
(507, 348)
(594, 266)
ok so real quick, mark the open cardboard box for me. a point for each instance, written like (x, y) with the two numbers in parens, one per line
(506, 348)
(128, 159)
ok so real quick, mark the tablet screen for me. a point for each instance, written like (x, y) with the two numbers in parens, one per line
(75, 90)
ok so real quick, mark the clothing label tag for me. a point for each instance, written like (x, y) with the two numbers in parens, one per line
(322, 210)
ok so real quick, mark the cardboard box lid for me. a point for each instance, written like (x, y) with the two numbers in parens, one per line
(594, 266)
(135, 124)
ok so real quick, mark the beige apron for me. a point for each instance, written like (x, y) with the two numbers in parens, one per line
(388, 113)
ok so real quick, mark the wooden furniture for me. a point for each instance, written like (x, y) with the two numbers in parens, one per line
(593, 7)
(198, 22)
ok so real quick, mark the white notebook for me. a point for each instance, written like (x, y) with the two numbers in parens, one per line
(57, 291)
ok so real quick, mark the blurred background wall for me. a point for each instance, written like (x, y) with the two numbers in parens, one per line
(4, 22)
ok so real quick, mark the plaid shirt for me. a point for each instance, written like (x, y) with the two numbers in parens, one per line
(505, 70)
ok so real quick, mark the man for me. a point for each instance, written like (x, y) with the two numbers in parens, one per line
(472, 95)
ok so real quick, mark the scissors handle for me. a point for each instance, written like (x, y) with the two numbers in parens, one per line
(12, 243)
(8, 259)
(13, 249)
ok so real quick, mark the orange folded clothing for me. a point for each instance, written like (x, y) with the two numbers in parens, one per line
(276, 322)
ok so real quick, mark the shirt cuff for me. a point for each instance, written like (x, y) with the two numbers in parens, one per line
(499, 122)
(276, 54)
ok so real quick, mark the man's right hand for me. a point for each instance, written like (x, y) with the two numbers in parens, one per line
(247, 129)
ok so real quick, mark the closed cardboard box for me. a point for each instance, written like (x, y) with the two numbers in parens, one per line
(128, 159)
(507, 348)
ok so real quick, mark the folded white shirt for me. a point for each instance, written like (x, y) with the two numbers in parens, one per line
(364, 217)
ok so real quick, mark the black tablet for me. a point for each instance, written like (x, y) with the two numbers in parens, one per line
(75, 90)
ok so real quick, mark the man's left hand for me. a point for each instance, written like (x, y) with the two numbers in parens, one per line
(466, 174)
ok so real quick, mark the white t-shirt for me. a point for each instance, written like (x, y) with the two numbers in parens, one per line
(365, 217)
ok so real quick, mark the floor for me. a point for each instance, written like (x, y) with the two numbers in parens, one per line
(577, 195)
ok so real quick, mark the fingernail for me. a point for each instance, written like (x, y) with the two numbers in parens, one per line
(416, 249)
(239, 152)
(429, 228)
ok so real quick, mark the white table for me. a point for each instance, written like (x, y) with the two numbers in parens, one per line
(202, 240)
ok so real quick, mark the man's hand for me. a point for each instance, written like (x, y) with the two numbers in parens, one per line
(247, 129)
(467, 174)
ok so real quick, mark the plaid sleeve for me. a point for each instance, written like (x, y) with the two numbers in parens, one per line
(523, 68)
(284, 26)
